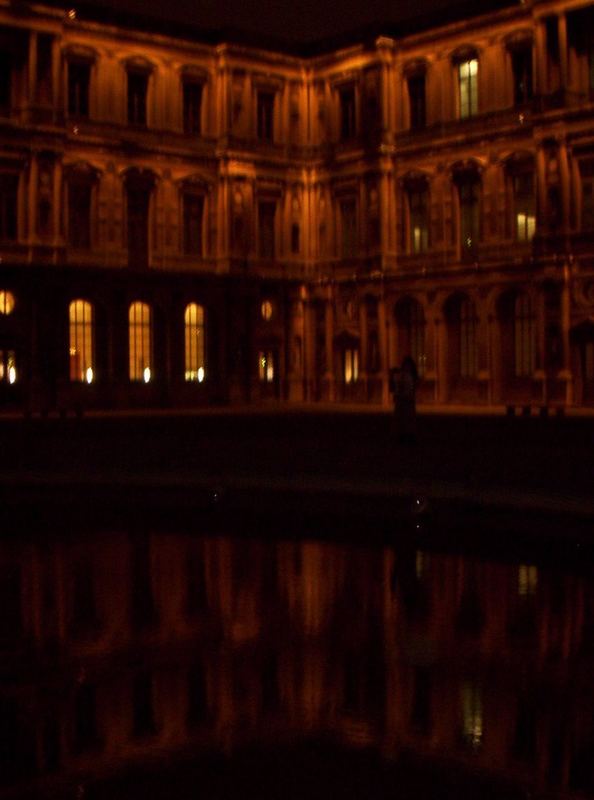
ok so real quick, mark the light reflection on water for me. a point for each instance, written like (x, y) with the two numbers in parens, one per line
(121, 647)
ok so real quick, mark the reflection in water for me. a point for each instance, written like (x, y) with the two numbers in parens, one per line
(123, 647)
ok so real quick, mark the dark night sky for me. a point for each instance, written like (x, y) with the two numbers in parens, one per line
(301, 22)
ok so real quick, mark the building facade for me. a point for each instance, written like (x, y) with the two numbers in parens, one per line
(183, 222)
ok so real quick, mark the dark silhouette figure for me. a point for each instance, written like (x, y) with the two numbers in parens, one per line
(403, 383)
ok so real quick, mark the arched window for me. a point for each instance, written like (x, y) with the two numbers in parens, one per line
(141, 365)
(194, 337)
(523, 337)
(81, 341)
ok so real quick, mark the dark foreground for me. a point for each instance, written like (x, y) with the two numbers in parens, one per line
(336, 462)
(141, 659)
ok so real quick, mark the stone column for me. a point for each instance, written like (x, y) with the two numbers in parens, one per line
(541, 189)
(541, 58)
(563, 54)
(363, 330)
(383, 339)
(57, 204)
(329, 323)
(32, 72)
(566, 373)
(32, 199)
(565, 185)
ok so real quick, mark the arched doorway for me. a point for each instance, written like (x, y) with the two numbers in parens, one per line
(461, 361)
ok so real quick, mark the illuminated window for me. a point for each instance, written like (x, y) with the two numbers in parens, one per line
(266, 366)
(265, 112)
(79, 74)
(192, 92)
(418, 203)
(140, 335)
(351, 365)
(81, 341)
(472, 715)
(9, 183)
(523, 337)
(266, 310)
(527, 580)
(194, 329)
(348, 218)
(6, 302)
(347, 113)
(137, 91)
(8, 372)
(524, 206)
(468, 87)
(193, 214)
(416, 99)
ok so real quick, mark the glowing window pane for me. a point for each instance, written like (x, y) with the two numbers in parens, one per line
(351, 365)
(266, 366)
(472, 715)
(266, 310)
(194, 343)
(8, 371)
(527, 580)
(468, 87)
(140, 342)
(81, 341)
(6, 302)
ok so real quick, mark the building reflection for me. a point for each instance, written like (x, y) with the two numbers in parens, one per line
(127, 646)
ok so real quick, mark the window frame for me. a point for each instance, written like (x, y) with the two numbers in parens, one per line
(140, 342)
(81, 339)
(194, 343)
(467, 85)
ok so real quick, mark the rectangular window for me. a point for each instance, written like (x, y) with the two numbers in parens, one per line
(524, 206)
(44, 69)
(347, 113)
(472, 715)
(5, 83)
(266, 366)
(266, 217)
(348, 215)
(8, 373)
(8, 206)
(193, 212)
(265, 110)
(416, 98)
(79, 215)
(295, 238)
(469, 216)
(419, 220)
(468, 88)
(192, 107)
(138, 211)
(79, 75)
(137, 91)
(351, 365)
(522, 72)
